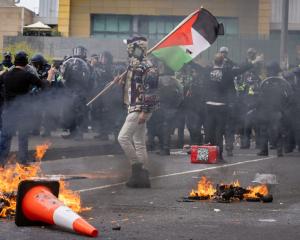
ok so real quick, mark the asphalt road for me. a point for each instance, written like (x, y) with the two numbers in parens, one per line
(157, 213)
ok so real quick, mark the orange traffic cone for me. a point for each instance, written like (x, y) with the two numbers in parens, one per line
(37, 203)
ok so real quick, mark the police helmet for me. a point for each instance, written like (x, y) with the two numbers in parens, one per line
(251, 50)
(224, 49)
(6, 54)
(273, 67)
(38, 58)
(21, 58)
(80, 51)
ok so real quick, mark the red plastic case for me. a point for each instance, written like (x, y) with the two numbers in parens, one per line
(204, 154)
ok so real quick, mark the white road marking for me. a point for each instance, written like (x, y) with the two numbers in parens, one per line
(180, 173)
(269, 220)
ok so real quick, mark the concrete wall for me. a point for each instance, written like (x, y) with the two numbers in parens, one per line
(74, 16)
(58, 47)
(12, 20)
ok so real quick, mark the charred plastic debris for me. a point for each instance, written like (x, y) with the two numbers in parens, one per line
(7, 206)
(227, 193)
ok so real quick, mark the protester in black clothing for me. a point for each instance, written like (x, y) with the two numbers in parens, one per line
(218, 88)
(15, 87)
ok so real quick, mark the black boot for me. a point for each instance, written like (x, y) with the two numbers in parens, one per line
(279, 152)
(229, 153)
(139, 177)
(220, 158)
(164, 152)
(263, 153)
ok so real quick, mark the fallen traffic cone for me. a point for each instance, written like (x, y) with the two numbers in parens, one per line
(37, 204)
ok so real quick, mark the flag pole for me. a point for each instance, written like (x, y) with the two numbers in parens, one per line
(112, 83)
(106, 88)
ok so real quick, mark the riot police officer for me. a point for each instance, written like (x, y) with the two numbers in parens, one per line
(78, 83)
(296, 108)
(250, 83)
(232, 108)
(273, 106)
(161, 123)
(106, 111)
(42, 67)
(7, 61)
(195, 103)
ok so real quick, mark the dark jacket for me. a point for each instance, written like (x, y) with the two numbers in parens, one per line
(18, 82)
(219, 84)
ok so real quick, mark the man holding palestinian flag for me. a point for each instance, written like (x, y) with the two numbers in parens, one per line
(140, 82)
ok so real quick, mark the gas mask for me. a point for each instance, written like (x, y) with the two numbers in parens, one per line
(137, 51)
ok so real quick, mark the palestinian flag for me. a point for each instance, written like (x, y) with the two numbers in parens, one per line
(192, 36)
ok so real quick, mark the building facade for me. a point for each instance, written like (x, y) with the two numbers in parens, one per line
(155, 18)
(13, 19)
(48, 12)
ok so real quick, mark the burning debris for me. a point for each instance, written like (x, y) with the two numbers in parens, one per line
(13, 174)
(227, 193)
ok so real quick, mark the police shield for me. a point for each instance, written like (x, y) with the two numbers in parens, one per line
(276, 91)
(76, 71)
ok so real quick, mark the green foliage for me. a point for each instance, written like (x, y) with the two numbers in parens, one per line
(14, 48)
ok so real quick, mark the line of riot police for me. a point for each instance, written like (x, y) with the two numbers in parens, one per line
(58, 100)
(239, 104)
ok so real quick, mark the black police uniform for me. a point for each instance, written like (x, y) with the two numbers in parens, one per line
(273, 105)
(78, 84)
(42, 68)
(195, 104)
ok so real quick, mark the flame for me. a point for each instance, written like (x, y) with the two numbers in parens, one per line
(256, 191)
(70, 198)
(12, 175)
(236, 183)
(205, 189)
(40, 151)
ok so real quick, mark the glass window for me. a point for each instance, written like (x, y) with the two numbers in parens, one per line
(152, 27)
(231, 25)
(124, 23)
(111, 26)
(156, 27)
(99, 24)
